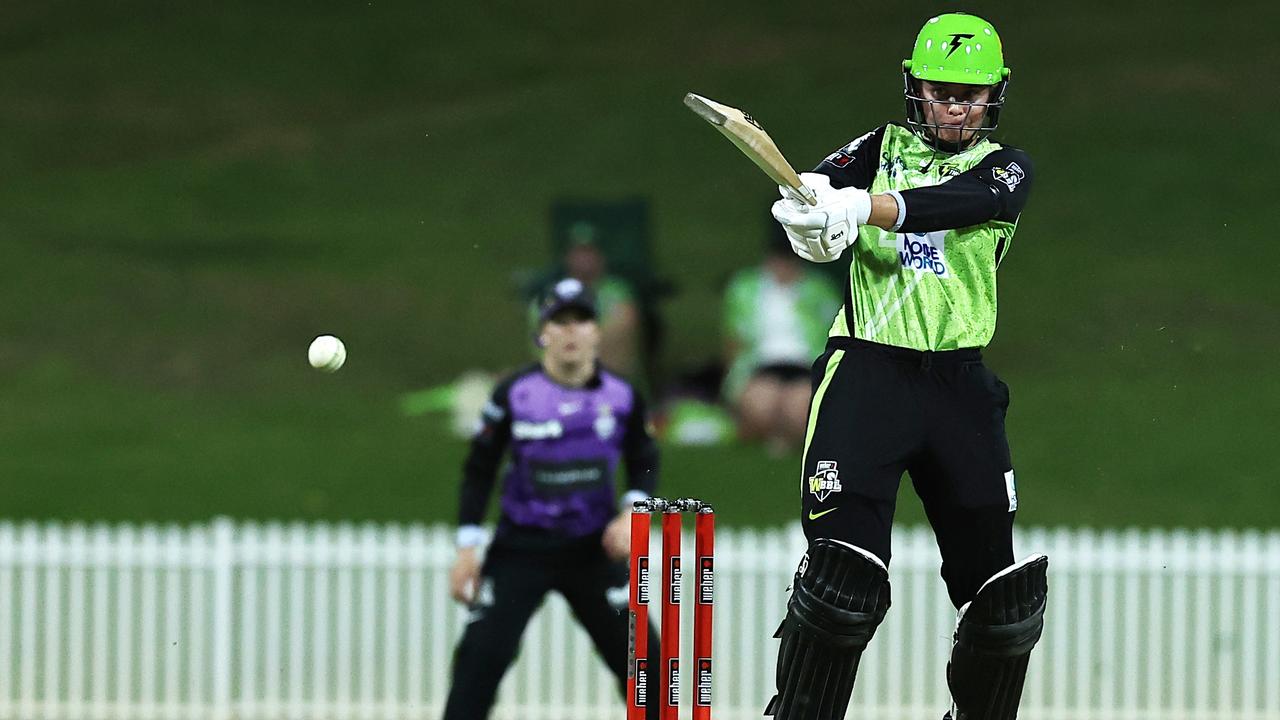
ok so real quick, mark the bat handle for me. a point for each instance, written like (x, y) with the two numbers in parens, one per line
(804, 194)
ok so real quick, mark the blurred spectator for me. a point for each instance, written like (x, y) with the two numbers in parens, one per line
(619, 316)
(777, 315)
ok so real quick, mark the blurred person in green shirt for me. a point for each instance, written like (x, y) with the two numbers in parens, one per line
(619, 315)
(776, 317)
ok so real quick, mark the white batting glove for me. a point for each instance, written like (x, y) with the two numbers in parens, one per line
(805, 243)
(803, 230)
(835, 219)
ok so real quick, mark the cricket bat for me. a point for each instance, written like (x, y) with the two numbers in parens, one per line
(753, 141)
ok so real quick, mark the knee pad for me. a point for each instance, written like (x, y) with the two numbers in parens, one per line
(840, 596)
(993, 641)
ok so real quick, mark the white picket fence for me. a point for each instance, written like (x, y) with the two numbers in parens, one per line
(245, 621)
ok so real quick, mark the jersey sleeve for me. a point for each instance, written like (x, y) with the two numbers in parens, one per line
(855, 164)
(995, 189)
(639, 451)
(480, 471)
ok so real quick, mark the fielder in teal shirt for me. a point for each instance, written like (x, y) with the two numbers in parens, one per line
(925, 210)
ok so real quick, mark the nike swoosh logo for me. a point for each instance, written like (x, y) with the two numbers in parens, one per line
(814, 516)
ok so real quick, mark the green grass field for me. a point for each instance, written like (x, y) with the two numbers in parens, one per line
(191, 194)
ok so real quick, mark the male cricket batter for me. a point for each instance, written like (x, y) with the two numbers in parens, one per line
(928, 210)
(568, 423)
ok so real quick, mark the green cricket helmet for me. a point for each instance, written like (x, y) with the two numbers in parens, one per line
(955, 48)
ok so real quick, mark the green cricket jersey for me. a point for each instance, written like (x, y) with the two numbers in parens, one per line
(931, 284)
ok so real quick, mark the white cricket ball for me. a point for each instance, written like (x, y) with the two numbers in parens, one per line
(327, 353)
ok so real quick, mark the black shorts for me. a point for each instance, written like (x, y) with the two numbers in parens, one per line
(879, 411)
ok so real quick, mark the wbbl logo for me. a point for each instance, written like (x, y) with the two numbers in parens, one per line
(676, 576)
(825, 480)
(673, 683)
(704, 683)
(642, 681)
(642, 585)
(706, 581)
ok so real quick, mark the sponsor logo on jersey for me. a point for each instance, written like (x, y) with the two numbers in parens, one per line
(825, 480)
(642, 581)
(552, 480)
(572, 476)
(673, 682)
(1010, 175)
(706, 581)
(605, 422)
(526, 430)
(844, 155)
(839, 158)
(674, 575)
(703, 698)
(922, 252)
(946, 172)
(569, 474)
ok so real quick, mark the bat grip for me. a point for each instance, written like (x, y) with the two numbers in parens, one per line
(803, 194)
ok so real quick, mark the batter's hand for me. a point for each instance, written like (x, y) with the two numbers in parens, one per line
(807, 243)
(465, 575)
(821, 233)
(617, 537)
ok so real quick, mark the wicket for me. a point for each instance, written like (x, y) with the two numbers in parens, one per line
(638, 671)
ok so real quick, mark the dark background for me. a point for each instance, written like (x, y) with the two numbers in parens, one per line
(191, 193)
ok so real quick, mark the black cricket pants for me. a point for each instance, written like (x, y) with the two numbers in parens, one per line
(514, 581)
(879, 411)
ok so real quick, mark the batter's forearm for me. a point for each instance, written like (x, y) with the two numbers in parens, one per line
(886, 213)
(995, 189)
